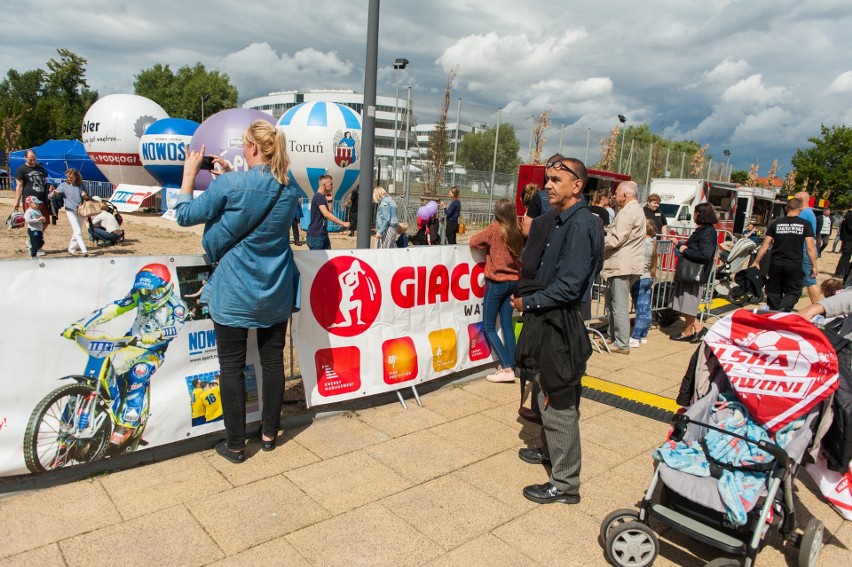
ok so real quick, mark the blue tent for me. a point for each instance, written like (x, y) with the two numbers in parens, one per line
(56, 156)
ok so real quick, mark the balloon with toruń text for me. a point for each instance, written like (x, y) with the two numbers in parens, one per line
(323, 137)
(112, 129)
(222, 135)
(163, 149)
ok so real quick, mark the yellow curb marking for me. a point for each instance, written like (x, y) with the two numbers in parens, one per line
(633, 394)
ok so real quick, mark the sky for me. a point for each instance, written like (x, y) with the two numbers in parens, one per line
(755, 77)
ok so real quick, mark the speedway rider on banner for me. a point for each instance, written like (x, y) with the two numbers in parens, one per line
(160, 315)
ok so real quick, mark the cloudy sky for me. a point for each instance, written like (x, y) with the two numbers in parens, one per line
(756, 77)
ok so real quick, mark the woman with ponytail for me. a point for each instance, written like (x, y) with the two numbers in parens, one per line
(502, 241)
(247, 217)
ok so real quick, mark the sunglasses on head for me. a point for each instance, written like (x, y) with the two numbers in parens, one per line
(559, 165)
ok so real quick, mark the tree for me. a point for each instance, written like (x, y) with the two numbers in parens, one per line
(739, 176)
(180, 93)
(439, 146)
(827, 165)
(476, 152)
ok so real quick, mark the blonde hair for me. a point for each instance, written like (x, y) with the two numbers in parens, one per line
(506, 214)
(530, 190)
(401, 228)
(379, 193)
(272, 145)
(76, 178)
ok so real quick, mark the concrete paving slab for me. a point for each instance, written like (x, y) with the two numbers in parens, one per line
(640, 379)
(47, 556)
(288, 455)
(255, 513)
(484, 550)
(165, 537)
(500, 392)
(454, 402)
(550, 533)
(348, 481)
(337, 435)
(35, 519)
(165, 484)
(275, 553)
(611, 431)
(503, 476)
(395, 421)
(507, 414)
(449, 510)
(421, 456)
(623, 486)
(478, 434)
(370, 535)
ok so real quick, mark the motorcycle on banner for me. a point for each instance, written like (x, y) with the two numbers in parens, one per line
(105, 412)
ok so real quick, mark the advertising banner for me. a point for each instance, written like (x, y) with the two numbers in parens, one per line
(101, 356)
(376, 321)
(128, 198)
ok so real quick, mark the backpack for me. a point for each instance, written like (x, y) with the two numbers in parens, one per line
(15, 220)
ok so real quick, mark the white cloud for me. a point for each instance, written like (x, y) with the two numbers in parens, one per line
(752, 92)
(727, 71)
(841, 85)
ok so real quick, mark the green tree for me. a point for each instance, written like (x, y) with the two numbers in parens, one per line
(476, 152)
(827, 165)
(180, 93)
(739, 176)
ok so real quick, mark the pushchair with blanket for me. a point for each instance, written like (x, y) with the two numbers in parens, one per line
(725, 475)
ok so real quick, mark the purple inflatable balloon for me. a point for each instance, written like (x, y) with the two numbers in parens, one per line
(423, 212)
(222, 134)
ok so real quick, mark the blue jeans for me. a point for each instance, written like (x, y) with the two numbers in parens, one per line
(318, 242)
(496, 303)
(640, 291)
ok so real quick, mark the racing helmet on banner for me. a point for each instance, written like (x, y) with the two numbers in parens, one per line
(153, 287)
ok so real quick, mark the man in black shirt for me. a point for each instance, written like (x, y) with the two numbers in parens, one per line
(554, 336)
(654, 214)
(31, 181)
(787, 236)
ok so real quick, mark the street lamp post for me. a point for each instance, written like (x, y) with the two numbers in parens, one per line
(622, 119)
(204, 99)
(727, 154)
(399, 64)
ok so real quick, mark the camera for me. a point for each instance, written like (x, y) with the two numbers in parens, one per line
(207, 163)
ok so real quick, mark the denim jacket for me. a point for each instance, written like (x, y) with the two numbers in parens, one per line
(386, 215)
(256, 282)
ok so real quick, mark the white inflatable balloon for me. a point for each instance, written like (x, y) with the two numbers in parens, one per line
(112, 129)
(323, 137)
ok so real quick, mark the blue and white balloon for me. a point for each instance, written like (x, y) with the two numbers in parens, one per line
(323, 137)
(163, 149)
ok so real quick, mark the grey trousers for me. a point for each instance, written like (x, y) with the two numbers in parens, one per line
(560, 438)
(618, 304)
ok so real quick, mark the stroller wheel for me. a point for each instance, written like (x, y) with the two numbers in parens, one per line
(632, 544)
(811, 544)
(738, 296)
(616, 518)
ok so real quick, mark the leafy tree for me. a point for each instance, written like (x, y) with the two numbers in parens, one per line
(180, 93)
(739, 176)
(827, 165)
(476, 152)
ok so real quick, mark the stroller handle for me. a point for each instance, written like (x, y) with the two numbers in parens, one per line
(680, 422)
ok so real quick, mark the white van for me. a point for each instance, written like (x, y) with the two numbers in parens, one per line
(678, 198)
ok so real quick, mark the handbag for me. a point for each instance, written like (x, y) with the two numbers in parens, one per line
(688, 271)
(89, 208)
(461, 228)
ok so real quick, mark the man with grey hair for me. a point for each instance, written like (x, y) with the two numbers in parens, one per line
(624, 260)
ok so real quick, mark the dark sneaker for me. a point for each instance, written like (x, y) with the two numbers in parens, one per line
(547, 493)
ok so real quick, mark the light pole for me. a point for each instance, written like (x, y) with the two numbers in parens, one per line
(727, 154)
(203, 100)
(399, 64)
(622, 119)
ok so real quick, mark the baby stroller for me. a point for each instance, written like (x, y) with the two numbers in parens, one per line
(730, 499)
(740, 256)
(749, 288)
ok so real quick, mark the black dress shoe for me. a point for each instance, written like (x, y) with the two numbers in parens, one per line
(264, 444)
(547, 493)
(682, 338)
(529, 415)
(697, 337)
(533, 456)
(236, 457)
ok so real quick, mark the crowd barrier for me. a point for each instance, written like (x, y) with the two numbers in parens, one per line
(371, 321)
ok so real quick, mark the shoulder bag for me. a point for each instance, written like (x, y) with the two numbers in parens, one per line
(89, 208)
(688, 271)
